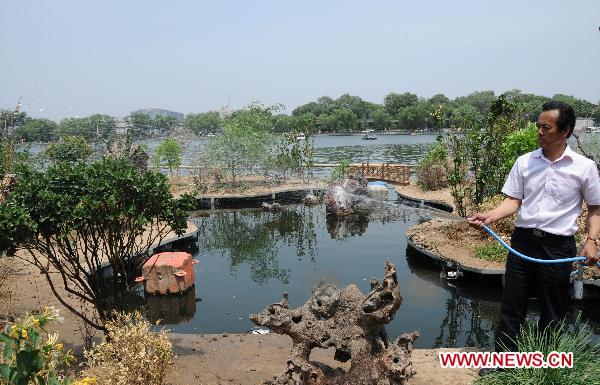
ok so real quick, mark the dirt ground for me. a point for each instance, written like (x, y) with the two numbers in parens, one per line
(254, 185)
(457, 240)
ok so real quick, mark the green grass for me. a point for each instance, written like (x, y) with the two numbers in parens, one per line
(579, 340)
(493, 252)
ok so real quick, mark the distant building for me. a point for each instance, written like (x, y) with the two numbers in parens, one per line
(154, 112)
(581, 124)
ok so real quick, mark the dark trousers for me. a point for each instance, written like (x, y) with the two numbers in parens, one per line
(549, 283)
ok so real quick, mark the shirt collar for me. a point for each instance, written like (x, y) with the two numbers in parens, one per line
(567, 154)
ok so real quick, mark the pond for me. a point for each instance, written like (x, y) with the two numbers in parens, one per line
(249, 257)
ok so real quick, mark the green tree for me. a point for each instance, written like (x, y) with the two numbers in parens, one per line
(140, 124)
(283, 123)
(438, 99)
(70, 149)
(75, 219)
(395, 102)
(168, 153)
(583, 108)
(37, 130)
(596, 115)
(164, 125)
(481, 100)
(76, 127)
(246, 140)
(103, 126)
(203, 123)
(381, 119)
(11, 120)
(352, 103)
(413, 117)
(344, 120)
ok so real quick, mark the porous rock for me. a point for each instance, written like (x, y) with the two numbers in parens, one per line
(352, 324)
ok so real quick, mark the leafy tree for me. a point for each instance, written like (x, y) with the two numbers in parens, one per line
(596, 115)
(103, 126)
(413, 117)
(481, 100)
(583, 108)
(305, 123)
(466, 116)
(246, 140)
(164, 125)
(140, 124)
(352, 103)
(204, 122)
(283, 123)
(381, 119)
(11, 120)
(344, 120)
(168, 153)
(37, 130)
(395, 102)
(70, 149)
(516, 144)
(76, 127)
(74, 221)
(439, 99)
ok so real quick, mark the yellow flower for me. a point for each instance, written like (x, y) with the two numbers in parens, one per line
(24, 333)
(59, 346)
(36, 322)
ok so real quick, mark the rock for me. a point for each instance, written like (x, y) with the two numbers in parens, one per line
(377, 191)
(344, 199)
(350, 322)
(271, 206)
(311, 200)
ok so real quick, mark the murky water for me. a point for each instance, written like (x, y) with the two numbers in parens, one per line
(248, 258)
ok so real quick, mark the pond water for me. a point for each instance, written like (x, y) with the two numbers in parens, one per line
(248, 258)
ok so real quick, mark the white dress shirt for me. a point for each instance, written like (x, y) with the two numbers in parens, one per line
(551, 192)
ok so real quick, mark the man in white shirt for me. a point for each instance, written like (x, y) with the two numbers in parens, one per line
(546, 187)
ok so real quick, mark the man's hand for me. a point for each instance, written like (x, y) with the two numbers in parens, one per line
(508, 207)
(590, 252)
(480, 219)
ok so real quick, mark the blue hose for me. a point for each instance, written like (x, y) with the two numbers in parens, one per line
(525, 257)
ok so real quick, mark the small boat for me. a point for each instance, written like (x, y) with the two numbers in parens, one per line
(300, 137)
(369, 137)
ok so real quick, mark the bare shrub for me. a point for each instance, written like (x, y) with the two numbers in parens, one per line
(131, 354)
(432, 176)
(504, 226)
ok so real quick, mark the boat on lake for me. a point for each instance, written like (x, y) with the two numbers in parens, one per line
(369, 137)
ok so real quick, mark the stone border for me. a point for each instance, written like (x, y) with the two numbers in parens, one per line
(284, 196)
(441, 259)
(439, 205)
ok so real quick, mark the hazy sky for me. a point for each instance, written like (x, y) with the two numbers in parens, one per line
(78, 57)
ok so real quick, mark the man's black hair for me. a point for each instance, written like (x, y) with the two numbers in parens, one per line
(566, 115)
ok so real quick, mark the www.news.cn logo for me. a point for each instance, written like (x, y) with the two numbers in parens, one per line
(505, 360)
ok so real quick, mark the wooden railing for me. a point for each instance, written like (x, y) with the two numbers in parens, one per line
(394, 173)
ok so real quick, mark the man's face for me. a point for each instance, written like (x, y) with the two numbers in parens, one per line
(549, 136)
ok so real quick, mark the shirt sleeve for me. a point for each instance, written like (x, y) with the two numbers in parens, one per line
(591, 186)
(513, 186)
